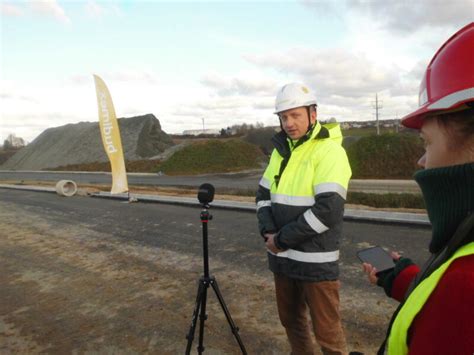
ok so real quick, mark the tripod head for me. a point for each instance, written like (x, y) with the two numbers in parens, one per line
(206, 195)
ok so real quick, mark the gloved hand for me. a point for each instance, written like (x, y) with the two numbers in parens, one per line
(385, 278)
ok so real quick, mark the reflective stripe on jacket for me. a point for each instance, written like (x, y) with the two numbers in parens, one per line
(306, 206)
(397, 340)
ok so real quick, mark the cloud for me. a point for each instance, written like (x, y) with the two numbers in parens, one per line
(403, 17)
(330, 71)
(9, 96)
(25, 105)
(95, 10)
(29, 126)
(227, 100)
(50, 8)
(8, 9)
(407, 16)
(221, 112)
(245, 83)
(212, 107)
(143, 77)
(267, 103)
(226, 103)
(345, 82)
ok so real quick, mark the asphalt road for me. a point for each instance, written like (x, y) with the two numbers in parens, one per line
(242, 180)
(233, 236)
(246, 181)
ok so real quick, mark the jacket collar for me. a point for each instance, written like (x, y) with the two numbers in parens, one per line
(282, 144)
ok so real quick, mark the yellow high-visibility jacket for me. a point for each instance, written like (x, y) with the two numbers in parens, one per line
(301, 197)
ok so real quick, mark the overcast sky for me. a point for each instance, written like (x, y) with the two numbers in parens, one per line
(219, 60)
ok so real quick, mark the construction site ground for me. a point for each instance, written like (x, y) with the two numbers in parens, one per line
(73, 283)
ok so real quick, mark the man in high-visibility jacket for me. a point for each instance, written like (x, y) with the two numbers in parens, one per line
(300, 207)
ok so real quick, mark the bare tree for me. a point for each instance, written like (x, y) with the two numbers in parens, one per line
(13, 141)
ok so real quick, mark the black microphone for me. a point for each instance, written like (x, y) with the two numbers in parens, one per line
(206, 193)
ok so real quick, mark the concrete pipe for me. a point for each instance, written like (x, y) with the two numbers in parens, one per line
(66, 188)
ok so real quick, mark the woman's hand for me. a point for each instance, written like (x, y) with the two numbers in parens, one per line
(371, 271)
(395, 255)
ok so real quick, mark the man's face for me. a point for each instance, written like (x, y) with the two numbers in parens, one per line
(295, 121)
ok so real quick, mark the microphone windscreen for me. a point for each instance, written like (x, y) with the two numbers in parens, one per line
(206, 193)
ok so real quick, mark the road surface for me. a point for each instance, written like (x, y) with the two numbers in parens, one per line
(84, 274)
(246, 181)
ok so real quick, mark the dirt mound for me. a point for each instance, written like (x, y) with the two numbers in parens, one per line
(142, 137)
(213, 156)
(7, 154)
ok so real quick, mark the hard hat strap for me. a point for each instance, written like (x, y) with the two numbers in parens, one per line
(308, 109)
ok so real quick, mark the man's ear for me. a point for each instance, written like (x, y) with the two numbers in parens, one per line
(314, 116)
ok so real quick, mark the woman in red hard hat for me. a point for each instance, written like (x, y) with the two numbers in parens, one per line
(436, 314)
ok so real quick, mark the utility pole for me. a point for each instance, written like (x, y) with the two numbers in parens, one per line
(203, 130)
(377, 106)
(397, 123)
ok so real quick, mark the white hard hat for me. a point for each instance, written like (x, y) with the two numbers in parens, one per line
(293, 95)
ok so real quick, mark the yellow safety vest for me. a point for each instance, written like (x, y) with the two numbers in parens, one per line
(397, 340)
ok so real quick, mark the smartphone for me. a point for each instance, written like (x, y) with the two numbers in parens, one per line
(377, 257)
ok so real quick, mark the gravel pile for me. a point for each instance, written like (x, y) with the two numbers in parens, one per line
(142, 138)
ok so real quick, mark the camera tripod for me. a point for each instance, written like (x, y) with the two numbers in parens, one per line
(200, 307)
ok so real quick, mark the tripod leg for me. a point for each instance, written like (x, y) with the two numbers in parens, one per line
(203, 316)
(235, 330)
(192, 328)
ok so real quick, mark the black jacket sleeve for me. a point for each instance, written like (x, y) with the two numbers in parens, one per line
(326, 213)
(266, 223)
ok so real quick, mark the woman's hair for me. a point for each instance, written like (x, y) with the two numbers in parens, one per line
(459, 125)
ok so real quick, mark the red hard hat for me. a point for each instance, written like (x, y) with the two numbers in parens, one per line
(448, 81)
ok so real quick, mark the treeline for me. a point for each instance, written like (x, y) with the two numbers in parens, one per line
(234, 131)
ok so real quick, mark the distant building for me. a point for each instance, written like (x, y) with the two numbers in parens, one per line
(197, 132)
(390, 123)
